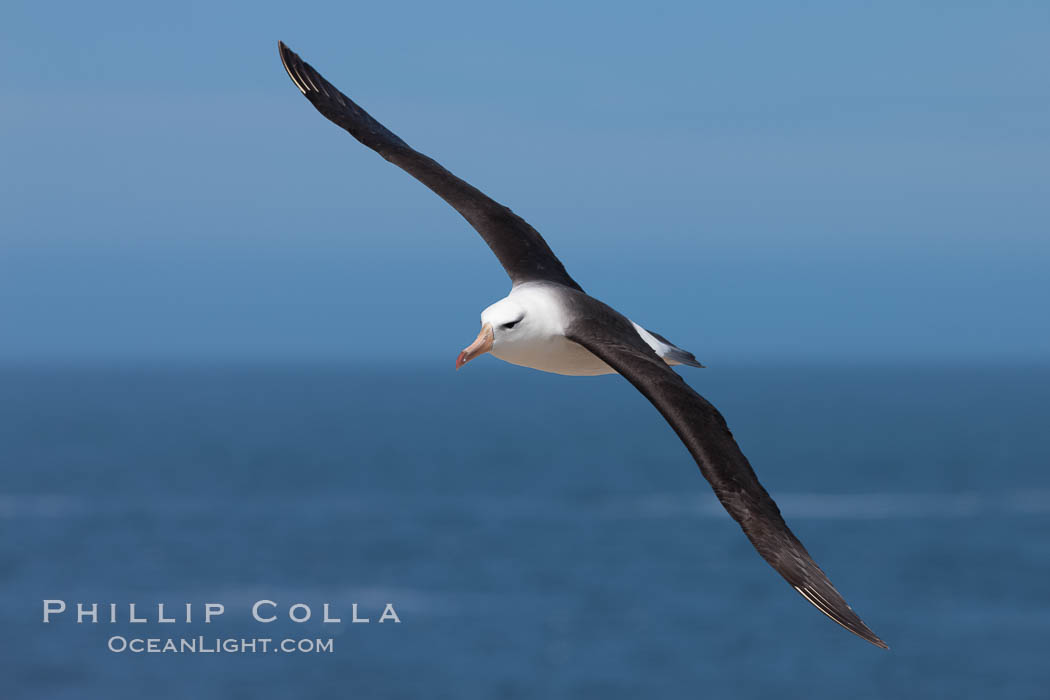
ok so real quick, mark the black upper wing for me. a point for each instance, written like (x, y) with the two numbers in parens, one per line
(703, 430)
(520, 248)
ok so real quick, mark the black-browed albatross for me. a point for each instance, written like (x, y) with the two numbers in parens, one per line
(549, 323)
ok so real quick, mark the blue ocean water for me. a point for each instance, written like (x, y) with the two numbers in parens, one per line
(539, 536)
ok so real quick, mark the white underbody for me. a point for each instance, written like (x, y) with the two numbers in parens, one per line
(539, 340)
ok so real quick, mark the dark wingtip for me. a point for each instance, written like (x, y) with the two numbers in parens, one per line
(867, 635)
(839, 611)
(874, 639)
(288, 60)
(864, 632)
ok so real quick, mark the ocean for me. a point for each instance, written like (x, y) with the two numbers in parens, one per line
(536, 536)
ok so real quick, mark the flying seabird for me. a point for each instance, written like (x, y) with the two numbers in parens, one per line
(549, 323)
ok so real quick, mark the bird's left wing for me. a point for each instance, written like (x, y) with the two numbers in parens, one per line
(520, 248)
(703, 430)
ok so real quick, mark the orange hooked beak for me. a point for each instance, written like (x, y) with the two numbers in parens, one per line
(481, 345)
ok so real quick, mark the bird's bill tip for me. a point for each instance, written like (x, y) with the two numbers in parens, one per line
(481, 345)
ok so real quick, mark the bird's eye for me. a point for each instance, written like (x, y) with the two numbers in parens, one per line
(511, 324)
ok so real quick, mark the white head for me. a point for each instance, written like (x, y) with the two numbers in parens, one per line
(509, 327)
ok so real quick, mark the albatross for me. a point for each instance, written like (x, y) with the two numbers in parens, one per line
(549, 323)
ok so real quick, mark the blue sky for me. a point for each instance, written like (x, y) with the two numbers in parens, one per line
(767, 182)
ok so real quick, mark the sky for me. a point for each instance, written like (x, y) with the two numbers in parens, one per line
(820, 182)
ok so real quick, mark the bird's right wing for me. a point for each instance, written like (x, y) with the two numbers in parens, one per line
(519, 247)
(705, 433)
